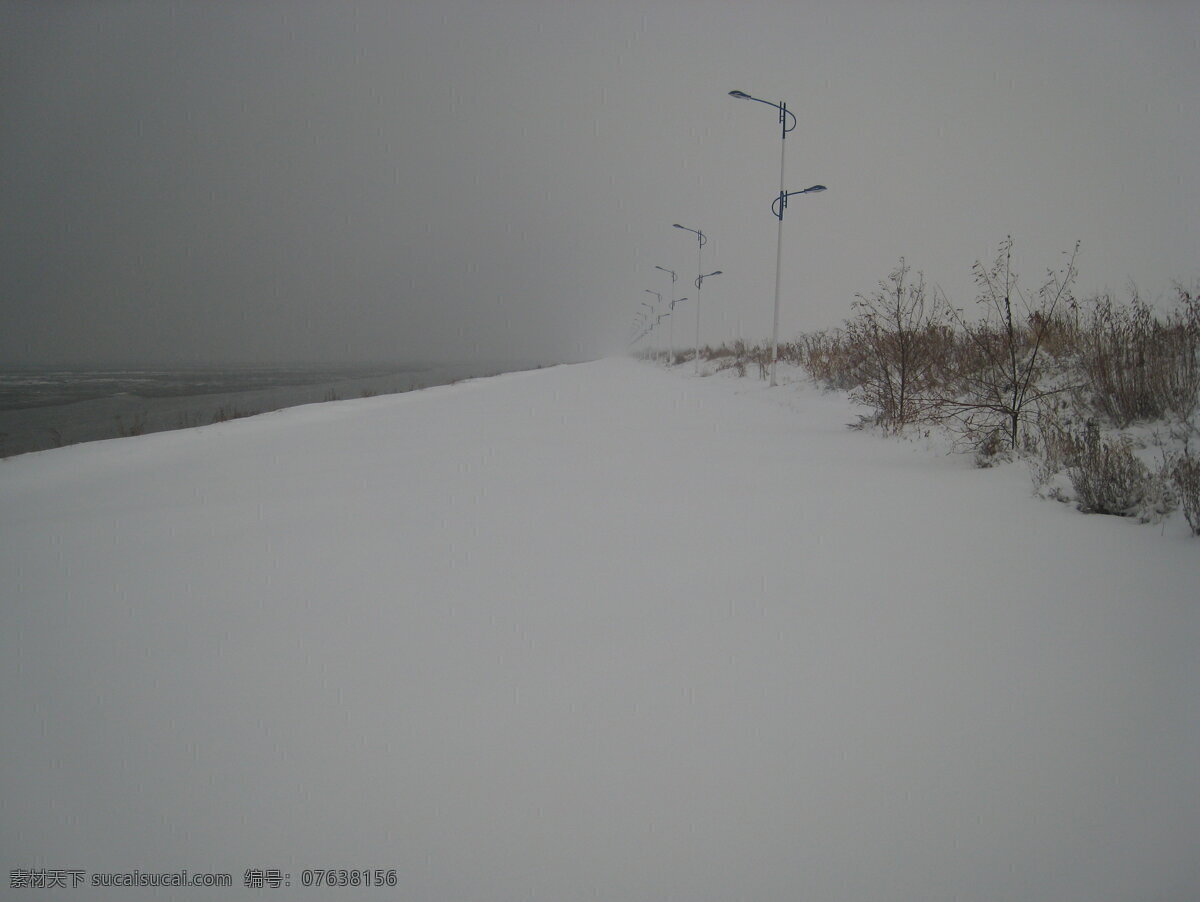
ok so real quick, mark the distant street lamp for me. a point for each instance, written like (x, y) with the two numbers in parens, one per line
(671, 325)
(701, 240)
(645, 322)
(699, 282)
(648, 324)
(784, 127)
(779, 204)
(658, 303)
(671, 334)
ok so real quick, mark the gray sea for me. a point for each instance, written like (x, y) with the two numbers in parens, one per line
(43, 408)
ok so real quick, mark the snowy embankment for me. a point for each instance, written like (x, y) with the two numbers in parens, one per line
(591, 632)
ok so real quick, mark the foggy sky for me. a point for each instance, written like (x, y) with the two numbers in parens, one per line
(448, 180)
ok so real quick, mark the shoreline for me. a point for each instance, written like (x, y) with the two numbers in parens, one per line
(28, 430)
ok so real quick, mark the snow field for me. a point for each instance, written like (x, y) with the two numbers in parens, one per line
(591, 632)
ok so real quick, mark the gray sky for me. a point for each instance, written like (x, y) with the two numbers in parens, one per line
(449, 179)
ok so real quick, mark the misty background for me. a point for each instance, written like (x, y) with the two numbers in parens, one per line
(440, 180)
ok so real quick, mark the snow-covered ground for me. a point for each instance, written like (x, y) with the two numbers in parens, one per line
(591, 632)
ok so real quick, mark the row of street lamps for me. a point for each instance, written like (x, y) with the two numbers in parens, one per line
(701, 240)
(787, 123)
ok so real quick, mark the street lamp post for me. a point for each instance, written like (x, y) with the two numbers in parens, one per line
(784, 127)
(671, 331)
(657, 304)
(648, 323)
(671, 325)
(779, 204)
(700, 282)
(701, 240)
(787, 122)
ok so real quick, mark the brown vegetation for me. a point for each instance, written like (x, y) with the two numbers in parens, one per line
(1039, 375)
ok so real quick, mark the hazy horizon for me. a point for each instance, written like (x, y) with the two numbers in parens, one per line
(9, 366)
(190, 182)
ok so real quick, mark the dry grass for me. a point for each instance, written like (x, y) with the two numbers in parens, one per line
(1140, 366)
(1021, 379)
(989, 379)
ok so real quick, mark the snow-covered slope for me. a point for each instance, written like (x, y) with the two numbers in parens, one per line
(591, 632)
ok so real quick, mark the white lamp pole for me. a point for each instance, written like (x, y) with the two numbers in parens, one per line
(784, 127)
(648, 325)
(654, 312)
(699, 282)
(671, 329)
(670, 325)
(701, 240)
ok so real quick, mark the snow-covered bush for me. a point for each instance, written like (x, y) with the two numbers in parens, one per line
(1107, 476)
(1185, 473)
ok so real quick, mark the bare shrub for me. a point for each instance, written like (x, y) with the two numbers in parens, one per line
(1140, 367)
(1056, 447)
(1185, 474)
(897, 333)
(991, 448)
(996, 370)
(760, 356)
(1106, 476)
(787, 352)
(743, 355)
(708, 352)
